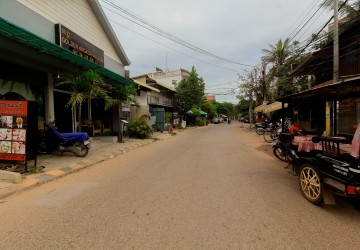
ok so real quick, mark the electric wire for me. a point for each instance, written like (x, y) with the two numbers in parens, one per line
(289, 31)
(304, 23)
(147, 25)
(185, 54)
(313, 38)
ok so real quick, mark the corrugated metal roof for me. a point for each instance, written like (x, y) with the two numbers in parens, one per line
(163, 84)
(146, 86)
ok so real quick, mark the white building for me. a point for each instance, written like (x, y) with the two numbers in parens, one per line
(169, 77)
(42, 39)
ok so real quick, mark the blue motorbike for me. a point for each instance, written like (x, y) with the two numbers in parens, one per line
(55, 141)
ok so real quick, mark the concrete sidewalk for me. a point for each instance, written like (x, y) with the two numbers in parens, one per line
(56, 165)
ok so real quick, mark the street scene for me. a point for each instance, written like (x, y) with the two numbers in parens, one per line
(132, 124)
(216, 187)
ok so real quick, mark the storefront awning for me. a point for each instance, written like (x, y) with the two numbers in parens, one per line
(327, 91)
(274, 106)
(260, 108)
(267, 108)
(41, 45)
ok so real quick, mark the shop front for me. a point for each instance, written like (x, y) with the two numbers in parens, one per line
(30, 67)
(333, 106)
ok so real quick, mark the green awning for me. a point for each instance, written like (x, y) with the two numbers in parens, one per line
(41, 45)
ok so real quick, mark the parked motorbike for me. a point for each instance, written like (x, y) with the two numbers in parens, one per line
(273, 132)
(53, 140)
(261, 127)
(283, 150)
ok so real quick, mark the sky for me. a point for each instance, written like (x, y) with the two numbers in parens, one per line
(221, 39)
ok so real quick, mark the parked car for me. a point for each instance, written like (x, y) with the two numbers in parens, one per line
(216, 120)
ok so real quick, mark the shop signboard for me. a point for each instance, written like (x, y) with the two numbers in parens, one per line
(68, 39)
(13, 130)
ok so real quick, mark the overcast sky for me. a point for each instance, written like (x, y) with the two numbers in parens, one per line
(233, 30)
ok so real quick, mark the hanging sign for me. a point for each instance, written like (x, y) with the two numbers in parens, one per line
(13, 128)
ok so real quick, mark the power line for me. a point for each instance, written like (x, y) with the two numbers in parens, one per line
(138, 20)
(302, 27)
(313, 38)
(215, 65)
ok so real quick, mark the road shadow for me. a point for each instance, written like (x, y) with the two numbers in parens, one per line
(266, 148)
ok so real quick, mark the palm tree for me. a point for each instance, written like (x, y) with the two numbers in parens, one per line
(280, 57)
(277, 55)
(89, 85)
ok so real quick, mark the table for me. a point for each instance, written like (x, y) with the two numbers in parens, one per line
(305, 144)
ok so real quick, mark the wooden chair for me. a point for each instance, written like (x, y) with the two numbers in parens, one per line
(91, 128)
(104, 129)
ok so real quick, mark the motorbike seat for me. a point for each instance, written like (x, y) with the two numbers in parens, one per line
(76, 136)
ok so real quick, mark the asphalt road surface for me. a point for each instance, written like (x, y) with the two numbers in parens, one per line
(217, 187)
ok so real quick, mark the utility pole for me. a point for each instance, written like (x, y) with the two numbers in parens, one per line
(250, 107)
(336, 67)
(336, 44)
(120, 123)
(251, 96)
(264, 81)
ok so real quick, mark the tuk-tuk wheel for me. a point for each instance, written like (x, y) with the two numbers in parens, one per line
(311, 184)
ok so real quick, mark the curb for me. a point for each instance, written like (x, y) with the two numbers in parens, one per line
(42, 178)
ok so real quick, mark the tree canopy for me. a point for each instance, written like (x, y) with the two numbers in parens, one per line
(190, 92)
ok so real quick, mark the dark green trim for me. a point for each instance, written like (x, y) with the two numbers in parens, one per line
(41, 45)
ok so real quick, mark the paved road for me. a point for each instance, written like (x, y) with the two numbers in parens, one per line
(217, 187)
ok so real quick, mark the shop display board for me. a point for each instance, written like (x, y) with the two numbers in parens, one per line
(14, 130)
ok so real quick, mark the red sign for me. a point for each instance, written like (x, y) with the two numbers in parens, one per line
(13, 124)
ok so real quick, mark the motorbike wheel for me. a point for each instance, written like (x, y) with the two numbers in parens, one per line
(260, 131)
(42, 147)
(80, 149)
(274, 135)
(270, 136)
(281, 154)
(310, 182)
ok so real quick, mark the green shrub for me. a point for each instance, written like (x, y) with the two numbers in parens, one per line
(139, 128)
(201, 123)
(156, 127)
(168, 116)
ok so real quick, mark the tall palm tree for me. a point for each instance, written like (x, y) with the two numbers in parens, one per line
(277, 55)
(89, 85)
(280, 57)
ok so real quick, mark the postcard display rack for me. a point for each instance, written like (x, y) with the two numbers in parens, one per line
(18, 131)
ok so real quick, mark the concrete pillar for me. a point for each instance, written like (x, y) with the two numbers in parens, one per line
(49, 100)
(328, 118)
